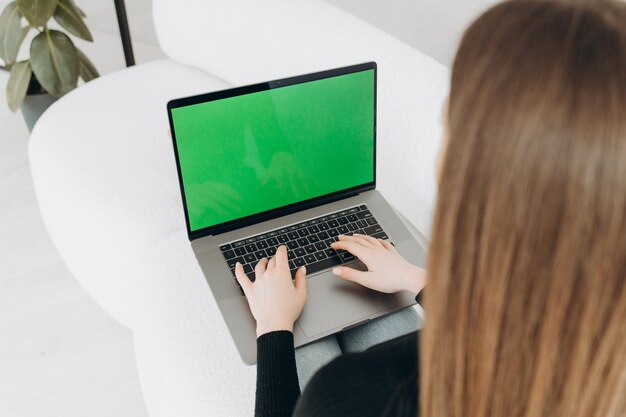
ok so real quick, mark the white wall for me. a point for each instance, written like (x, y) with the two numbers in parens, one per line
(431, 26)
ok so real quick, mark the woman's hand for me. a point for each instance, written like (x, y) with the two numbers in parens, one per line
(274, 300)
(387, 270)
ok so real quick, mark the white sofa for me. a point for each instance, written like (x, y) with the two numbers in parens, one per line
(105, 177)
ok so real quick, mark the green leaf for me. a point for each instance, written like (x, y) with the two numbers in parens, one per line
(37, 12)
(69, 17)
(18, 84)
(11, 33)
(82, 14)
(86, 69)
(54, 60)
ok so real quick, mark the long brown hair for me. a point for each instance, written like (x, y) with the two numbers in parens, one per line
(526, 296)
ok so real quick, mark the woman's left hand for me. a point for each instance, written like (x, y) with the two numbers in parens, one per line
(274, 300)
(387, 271)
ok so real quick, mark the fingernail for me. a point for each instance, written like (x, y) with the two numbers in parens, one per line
(303, 268)
(356, 234)
(337, 271)
(238, 264)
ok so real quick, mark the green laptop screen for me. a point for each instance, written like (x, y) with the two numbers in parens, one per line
(251, 153)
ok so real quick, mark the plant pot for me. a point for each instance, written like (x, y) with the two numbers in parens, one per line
(34, 105)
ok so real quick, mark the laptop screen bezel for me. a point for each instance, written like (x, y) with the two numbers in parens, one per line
(279, 211)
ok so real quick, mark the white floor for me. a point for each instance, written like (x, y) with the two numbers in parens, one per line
(60, 353)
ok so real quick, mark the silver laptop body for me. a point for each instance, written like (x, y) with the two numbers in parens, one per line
(333, 304)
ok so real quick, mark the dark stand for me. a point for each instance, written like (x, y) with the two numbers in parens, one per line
(122, 20)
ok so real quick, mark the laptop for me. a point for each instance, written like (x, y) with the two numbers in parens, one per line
(287, 162)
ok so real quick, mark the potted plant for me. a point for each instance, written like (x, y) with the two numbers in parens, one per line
(55, 63)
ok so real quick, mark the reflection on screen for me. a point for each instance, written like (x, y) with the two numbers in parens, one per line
(248, 154)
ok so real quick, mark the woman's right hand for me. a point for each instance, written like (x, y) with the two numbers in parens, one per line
(387, 271)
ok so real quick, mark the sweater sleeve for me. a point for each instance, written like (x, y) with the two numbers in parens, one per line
(277, 387)
(380, 381)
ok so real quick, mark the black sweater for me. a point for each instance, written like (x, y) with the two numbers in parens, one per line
(382, 381)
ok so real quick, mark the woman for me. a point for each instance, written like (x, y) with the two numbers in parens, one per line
(526, 305)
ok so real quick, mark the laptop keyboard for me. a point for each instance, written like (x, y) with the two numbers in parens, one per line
(308, 243)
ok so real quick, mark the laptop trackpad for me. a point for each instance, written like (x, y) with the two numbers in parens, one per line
(333, 302)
